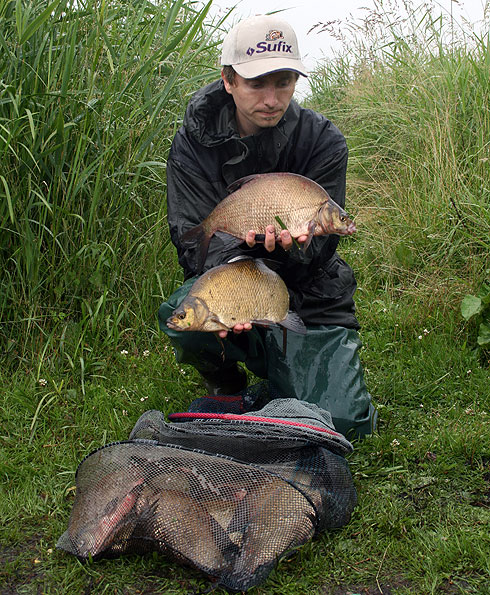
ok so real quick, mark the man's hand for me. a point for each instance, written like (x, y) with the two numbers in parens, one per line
(285, 240)
(237, 329)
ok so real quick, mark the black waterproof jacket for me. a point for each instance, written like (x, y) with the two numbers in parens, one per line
(208, 155)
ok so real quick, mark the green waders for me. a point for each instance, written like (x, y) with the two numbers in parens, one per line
(321, 367)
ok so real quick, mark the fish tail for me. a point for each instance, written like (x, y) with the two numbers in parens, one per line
(294, 323)
(200, 237)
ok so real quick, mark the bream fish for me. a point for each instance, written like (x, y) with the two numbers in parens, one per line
(184, 528)
(232, 293)
(256, 201)
(274, 519)
(102, 513)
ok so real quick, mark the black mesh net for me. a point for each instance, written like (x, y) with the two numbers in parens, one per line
(226, 493)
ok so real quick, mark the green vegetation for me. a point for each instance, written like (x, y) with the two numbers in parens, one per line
(90, 97)
(478, 308)
(89, 101)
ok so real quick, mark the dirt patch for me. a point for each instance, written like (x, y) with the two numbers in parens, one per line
(453, 587)
(387, 587)
(13, 574)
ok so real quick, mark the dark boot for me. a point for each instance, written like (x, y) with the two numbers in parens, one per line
(227, 381)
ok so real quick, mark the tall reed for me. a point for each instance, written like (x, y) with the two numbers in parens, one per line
(412, 94)
(90, 95)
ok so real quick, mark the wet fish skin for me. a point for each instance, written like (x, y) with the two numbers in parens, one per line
(100, 513)
(278, 518)
(185, 526)
(256, 201)
(232, 293)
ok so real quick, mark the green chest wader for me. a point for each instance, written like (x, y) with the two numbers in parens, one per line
(321, 367)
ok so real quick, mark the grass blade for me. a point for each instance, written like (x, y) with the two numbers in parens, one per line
(26, 32)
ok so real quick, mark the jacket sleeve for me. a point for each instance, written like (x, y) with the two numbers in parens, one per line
(322, 290)
(330, 172)
(191, 196)
(321, 154)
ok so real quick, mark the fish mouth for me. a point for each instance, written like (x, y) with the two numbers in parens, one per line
(171, 324)
(343, 231)
(351, 228)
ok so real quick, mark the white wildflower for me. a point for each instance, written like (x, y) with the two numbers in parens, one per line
(146, 353)
(43, 382)
(395, 442)
(124, 352)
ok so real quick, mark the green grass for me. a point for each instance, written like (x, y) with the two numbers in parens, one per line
(423, 480)
(86, 262)
(89, 101)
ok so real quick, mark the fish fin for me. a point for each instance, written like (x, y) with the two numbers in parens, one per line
(149, 511)
(311, 231)
(240, 182)
(294, 323)
(262, 322)
(229, 549)
(199, 236)
(239, 258)
(231, 240)
(270, 263)
(213, 318)
(220, 341)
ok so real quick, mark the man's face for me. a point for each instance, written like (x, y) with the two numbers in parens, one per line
(261, 102)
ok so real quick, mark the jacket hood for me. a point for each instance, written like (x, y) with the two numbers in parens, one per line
(210, 116)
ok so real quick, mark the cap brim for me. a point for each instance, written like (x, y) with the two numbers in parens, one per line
(255, 68)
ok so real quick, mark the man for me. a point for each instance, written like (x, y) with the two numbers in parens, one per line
(247, 123)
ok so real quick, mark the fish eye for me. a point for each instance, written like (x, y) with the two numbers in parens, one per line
(342, 218)
(181, 316)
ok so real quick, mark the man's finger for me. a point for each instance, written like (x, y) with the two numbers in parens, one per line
(240, 327)
(270, 238)
(286, 239)
(250, 239)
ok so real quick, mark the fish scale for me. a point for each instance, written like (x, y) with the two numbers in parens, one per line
(262, 295)
(259, 208)
(257, 201)
(232, 293)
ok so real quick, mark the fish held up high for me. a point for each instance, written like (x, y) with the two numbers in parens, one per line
(257, 201)
(232, 293)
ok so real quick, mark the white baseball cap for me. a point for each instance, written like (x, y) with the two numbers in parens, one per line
(260, 45)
